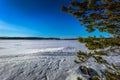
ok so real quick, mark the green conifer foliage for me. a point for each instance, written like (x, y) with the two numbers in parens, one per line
(104, 16)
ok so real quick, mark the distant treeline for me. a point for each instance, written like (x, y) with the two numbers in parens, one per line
(34, 38)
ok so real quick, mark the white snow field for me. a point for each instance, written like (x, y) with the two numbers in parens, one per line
(42, 59)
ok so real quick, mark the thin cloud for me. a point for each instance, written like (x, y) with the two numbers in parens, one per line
(6, 26)
(16, 30)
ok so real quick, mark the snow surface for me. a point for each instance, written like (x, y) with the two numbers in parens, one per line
(42, 59)
(37, 59)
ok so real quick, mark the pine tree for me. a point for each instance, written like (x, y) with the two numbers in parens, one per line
(101, 15)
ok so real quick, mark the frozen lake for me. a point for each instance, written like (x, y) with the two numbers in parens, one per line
(38, 59)
(45, 60)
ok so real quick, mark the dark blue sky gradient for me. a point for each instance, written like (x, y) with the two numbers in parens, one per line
(42, 18)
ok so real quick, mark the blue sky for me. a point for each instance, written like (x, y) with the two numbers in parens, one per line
(42, 18)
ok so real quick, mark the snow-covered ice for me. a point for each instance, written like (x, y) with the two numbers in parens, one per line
(37, 59)
(40, 59)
